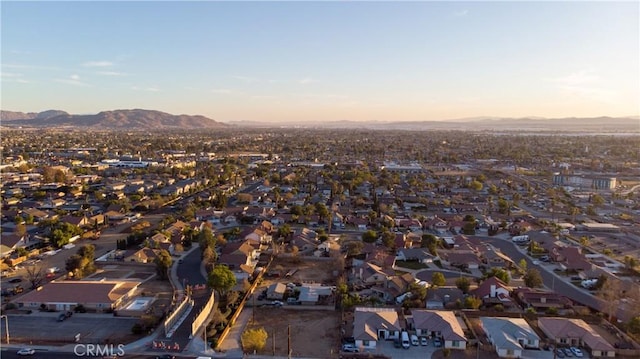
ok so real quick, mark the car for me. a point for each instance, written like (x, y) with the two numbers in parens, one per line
(560, 353)
(567, 352)
(414, 340)
(437, 342)
(424, 341)
(397, 343)
(26, 351)
(577, 352)
(349, 348)
(15, 280)
(277, 303)
(166, 356)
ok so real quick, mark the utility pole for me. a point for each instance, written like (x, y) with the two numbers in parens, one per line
(6, 326)
(289, 341)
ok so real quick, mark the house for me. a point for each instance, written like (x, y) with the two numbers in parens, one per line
(421, 255)
(394, 287)
(369, 273)
(104, 295)
(311, 294)
(276, 291)
(494, 291)
(239, 256)
(373, 324)
(496, 259)
(571, 258)
(461, 258)
(443, 297)
(440, 324)
(540, 299)
(144, 255)
(12, 241)
(576, 332)
(509, 336)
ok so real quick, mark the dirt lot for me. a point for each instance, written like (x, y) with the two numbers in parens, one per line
(313, 333)
(306, 270)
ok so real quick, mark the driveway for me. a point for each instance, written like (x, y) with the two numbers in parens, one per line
(386, 347)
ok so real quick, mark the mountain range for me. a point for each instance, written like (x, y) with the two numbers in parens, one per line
(130, 120)
(145, 120)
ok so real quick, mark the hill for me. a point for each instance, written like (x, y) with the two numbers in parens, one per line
(132, 120)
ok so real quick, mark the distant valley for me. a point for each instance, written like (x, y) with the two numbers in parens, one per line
(144, 120)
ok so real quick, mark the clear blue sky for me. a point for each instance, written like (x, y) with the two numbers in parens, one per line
(330, 61)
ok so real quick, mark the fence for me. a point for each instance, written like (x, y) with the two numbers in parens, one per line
(173, 317)
(203, 315)
(235, 315)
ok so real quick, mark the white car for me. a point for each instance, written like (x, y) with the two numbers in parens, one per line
(577, 352)
(26, 351)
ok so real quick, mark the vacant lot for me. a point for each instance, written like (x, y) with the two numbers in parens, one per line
(304, 270)
(314, 333)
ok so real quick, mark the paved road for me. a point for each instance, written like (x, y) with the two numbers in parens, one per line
(189, 274)
(82, 352)
(551, 280)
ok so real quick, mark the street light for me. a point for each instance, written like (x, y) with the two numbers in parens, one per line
(6, 326)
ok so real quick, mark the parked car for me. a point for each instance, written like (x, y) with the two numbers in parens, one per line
(424, 341)
(577, 352)
(350, 348)
(414, 340)
(277, 303)
(15, 280)
(63, 316)
(567, 352)
(26, 351)
(560, 353)
(437, 342)
(397, 343)
(166, 356)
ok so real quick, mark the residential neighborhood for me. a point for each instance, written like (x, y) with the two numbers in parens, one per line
(397, 244)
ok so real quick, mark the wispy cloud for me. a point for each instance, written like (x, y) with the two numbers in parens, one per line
(111, 73)
(13, 77)
(307, 80)
(583, 84)
(74, 80)
(147, 89)
(461, 13)
(98, 64)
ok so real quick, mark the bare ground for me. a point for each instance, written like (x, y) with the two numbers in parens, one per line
(313, 333)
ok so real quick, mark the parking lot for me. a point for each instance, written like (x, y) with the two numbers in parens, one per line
(43, 328)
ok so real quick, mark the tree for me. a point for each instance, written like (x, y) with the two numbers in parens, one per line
(472, 302)
(523, 265)
(533, 279)
(501, 274)
(163, 263)
(353, 248)
(369, 236)
(463, 284)
(611, 293)
(206, 239)
(221, 279)
(35, 275)
(634, 325)
(437, 279)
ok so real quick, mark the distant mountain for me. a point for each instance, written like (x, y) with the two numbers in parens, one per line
(629, 124)
(109, 120)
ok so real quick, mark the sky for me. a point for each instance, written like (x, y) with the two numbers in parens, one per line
(301, 61)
